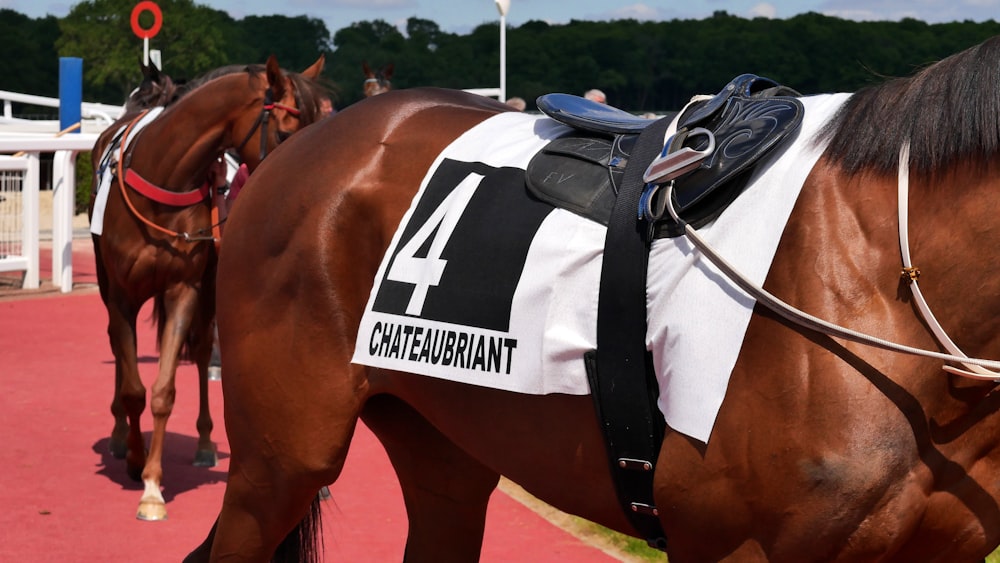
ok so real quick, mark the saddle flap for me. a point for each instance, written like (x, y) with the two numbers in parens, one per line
(575, 173)
(588, 115)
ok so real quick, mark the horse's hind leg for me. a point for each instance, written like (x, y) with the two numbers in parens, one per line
(119, 433)
(446, 491)
(204, 348)
(290, 417)
(129, 399)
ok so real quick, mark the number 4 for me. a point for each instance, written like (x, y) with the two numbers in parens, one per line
(425, 272)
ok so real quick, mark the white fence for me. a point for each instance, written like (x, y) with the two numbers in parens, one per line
(19, 217)
(24, 199)
(102, 114)
(21, 184)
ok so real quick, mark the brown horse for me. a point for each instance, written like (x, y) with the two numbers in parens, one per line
(377, 81)
(154, 238)
(824, 448)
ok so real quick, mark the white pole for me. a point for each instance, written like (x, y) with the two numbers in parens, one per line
(503, 6)
(503, 58)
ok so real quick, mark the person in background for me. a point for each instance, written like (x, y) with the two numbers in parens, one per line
(596, 95)
(326, 107)
(517, 103)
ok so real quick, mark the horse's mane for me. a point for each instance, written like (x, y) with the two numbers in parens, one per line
(308, 92)
(949, 111)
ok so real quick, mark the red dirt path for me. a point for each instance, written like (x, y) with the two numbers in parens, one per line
(65, 498)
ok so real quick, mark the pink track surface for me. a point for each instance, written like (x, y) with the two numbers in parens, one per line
(65, 498)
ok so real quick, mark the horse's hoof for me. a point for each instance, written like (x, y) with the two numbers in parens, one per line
(118, 448)
(324, 493)
(151, 510)
(206, 458)
(214, 373)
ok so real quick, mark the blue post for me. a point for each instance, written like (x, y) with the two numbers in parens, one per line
(70, 92)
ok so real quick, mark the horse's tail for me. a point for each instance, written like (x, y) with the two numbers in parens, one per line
(304, 544)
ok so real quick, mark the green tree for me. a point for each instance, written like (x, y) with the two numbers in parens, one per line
(295, 41)
(28, 62)
(99, 31)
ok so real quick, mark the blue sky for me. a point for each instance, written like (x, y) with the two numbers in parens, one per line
(461, 16)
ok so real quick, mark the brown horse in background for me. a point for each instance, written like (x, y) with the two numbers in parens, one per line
(156, 247)
(377, 81)
(824, 448)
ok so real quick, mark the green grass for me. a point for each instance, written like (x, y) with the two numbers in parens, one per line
(637, 550)
(626, 548)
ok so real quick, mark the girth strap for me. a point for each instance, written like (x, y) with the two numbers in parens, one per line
(620, 371)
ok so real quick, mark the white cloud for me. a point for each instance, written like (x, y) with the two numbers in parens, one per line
(640, 12)
(764, 10)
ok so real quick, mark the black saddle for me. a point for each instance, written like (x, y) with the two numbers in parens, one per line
(582, 172)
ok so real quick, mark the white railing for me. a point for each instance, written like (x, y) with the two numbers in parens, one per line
(19, 217)
(65, 150)
(105, 113)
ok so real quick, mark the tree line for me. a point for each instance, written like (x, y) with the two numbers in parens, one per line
(641, 66)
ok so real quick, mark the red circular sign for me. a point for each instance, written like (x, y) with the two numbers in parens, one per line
(157, 19)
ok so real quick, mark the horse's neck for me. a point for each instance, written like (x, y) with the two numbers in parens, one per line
(176, 148)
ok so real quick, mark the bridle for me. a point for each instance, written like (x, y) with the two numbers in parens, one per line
(382, 85)
(263, 118)
(213, 232)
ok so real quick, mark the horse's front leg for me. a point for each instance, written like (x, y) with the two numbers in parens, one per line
(178, 308)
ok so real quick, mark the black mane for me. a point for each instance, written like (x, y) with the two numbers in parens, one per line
(950, 112)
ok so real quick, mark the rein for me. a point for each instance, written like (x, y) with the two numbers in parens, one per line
(977, 368)
(910, 273)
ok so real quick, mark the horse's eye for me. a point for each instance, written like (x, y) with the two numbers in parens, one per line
(282, 135)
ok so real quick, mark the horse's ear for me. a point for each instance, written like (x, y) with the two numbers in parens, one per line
(151, 71)
(314, 69)
(368, 71)
(387, 71)
(275, 78)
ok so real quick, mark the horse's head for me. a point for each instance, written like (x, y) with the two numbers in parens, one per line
(289, 102)
(377, 82)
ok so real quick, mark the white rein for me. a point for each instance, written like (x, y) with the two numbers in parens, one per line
(976, 368)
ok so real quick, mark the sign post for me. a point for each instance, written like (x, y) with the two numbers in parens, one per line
(146, 33)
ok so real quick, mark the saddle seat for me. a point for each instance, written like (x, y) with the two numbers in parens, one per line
(588, 115)
(582, 172)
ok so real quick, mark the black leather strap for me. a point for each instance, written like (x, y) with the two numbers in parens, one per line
(621, 376)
